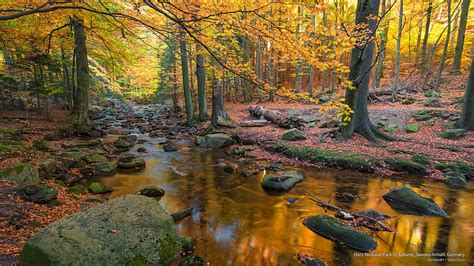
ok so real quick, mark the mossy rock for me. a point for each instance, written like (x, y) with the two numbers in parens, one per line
(345, 160)
(412, 128)
(452, 133)
(135, 163)
(39, 193)
(127, 229)
(122, 145)
(391, 128)
(420, 159)
(49, 165)
(94, 158)
(106, 169)
(71, 154)
(187, 243)
(76, 189)
(455, 180)
(422, 117)
(4, 148)
(334, 230)
(293, 135)
(98, 188)
(21, 174)
(41, 145)
(85, 144)
(404, 165)
(283, 182)
(466, 169)
(152, 191)
(405, 200)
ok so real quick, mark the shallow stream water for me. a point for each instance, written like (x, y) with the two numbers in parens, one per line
(238, 223)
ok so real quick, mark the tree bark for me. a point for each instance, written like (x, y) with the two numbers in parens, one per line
(218, 112)
(201, 83)
(445, 49)
(461, 36)
(383, 44)
(186, 85)
(397, 55)
(80, 116)
(424, 57)
(361, 60)
(467, 115)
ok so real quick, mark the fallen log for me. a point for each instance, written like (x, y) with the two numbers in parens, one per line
(254, 123)
(276, 117)
(180, 215)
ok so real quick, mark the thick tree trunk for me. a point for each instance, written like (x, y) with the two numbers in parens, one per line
(186, 85)
(445, 49)
(361, 60)
(398, 54)
(424, 56)
(246, 86)
(80, 116)
(201, 83)
(461, 36)
(467, 115)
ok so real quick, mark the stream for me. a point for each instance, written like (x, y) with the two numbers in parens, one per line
(237, 223)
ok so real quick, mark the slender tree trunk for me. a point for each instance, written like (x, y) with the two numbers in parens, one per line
(398, 54)
(383, 45)
(80, 116)
(418, 39)
(361, 60)
(424, 56)
(246, 86)
(461, 36)
(445, 49)
(66, 81)
(186, 86)
(201, 83)
(311, 68)
(191, 77)
(175, 87)
(467, 115)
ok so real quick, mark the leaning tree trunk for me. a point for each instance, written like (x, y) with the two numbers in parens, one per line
(383, 44)
(80, 116)
(398, 55)
(201, 82)
(445, 49)
(186, 85)
(461, 37)
(361, 60)
(424, 56)
(467, 115)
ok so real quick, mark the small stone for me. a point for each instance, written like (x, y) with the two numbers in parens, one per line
(39, 193)
(94, 158)
(170, 146)
(455, 180)
(106, 169)
(293, 135)
(230, 167)
(452, 133)
(142, 149)
(41, 145)
(49, 165)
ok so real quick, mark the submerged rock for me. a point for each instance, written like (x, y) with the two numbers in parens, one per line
(214, 141)
(283, 182)
(405, 200)
(170, 146)
(39, 193)
(332, 229)
(293, 135)
(127, 230)
(130, 161)
(455, 180)
(22, 174)
(152, 191)
(374, 214)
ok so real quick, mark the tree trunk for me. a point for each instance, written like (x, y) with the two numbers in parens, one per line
(383, 45)
(201, 83)
(186, 86)
(66, 82)
(218, 112)
(445, 49)
(461, 36)
(397, 55)
(361, 60)
(245, 46)
(80, 116)
(467, 115)
(424, 57)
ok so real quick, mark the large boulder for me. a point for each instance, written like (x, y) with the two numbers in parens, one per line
(283, 182)
(455, 180)
(22, 174)
(405, 200)
(332, 229)
(293, 134)
(124, 231)
(214, 141)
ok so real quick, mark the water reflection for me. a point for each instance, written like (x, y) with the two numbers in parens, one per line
(237, 223)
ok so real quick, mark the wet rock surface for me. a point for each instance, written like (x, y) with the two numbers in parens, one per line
(283, 182)
(405, 200)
